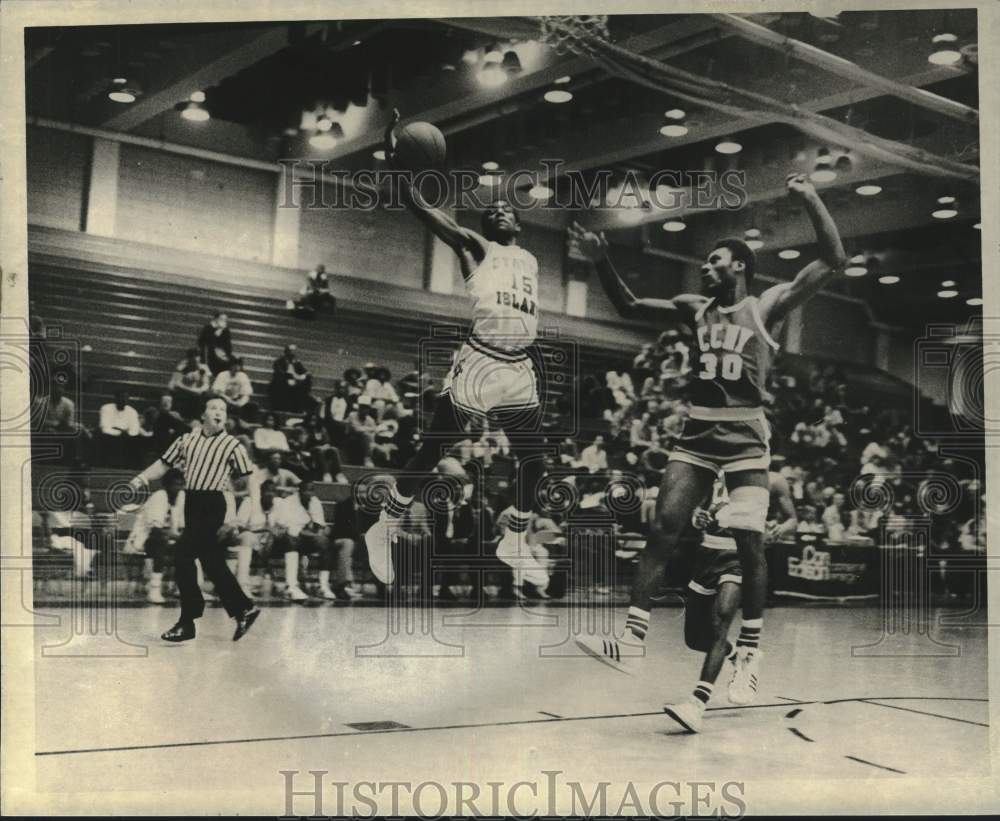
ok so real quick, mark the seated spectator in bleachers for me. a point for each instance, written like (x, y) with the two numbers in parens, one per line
(168, 425)
(158, 525)
(379, 388)
(291, 383)
(325, 465)
(235, 428)
(594, 458)
(835, 518)
(234, 386)
(70, 530)
(809, 523)
(354, 382)
(190, 381)
(58, 417)
(258, 526)
(119, 428)
(267, 438)
(333, 413)
(215, 344)
(315, 293)
(306, 533)
(274, 471)
(384, 445)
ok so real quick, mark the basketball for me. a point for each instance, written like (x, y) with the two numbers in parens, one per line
(420, 146)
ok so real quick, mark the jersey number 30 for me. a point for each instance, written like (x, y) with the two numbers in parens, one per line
(732, 366)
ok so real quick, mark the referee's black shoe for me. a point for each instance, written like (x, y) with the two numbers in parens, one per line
(182, 631)
(244, 622)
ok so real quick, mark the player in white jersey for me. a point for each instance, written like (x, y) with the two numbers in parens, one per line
(492, 377)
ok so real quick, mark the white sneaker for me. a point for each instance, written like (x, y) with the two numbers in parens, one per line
(154, 595)
(618, 654)
(746, 676)
(513, 551)
(295, 593)
(378, 540)
(688, 714)
(326, 593)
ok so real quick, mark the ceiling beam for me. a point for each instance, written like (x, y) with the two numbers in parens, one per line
(210, 73)
(453, 109)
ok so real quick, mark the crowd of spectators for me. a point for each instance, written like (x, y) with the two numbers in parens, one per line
(827, 441)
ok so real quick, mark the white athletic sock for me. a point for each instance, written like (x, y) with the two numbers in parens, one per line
(396, 504)
(637, 622)
(292, 569)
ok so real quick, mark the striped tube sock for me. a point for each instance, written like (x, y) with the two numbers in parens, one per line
(518, 522)
(396, 504)
(638, 622)
(750, 633)
(703, 692)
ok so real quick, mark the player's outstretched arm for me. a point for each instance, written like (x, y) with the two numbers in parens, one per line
(595, 248)
(777, 301)
(461, 240)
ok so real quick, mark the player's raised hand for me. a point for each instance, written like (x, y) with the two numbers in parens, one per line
(389, 141)
(590, 245)
(799, 186)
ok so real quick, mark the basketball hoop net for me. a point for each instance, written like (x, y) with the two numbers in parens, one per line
(572, 33)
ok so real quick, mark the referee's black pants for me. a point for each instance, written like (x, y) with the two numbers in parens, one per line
(204, 514)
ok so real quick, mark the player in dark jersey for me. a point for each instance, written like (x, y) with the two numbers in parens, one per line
(714, 593)
(726, 432)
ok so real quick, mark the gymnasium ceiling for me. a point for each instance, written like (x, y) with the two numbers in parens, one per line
(259, 78)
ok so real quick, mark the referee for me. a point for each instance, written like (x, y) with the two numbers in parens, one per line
(208, 458)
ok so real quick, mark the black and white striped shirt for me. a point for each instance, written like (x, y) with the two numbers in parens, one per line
(208, 461)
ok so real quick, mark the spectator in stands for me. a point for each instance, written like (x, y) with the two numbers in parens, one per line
(119, 426)
(835, 518)
(307, 533)
(258, 526)
(275, 472)
(168, 425)
(215, 344)
(268, 438)
(326, 459)
(58, 417)
(158, 525)
(189, 383)
(291, 383)
(809, 523)
(69, 530)
(594, 458)
(234, 386)
(333, 413)
(234, 428)
(315, 293)
(379, 388)
(354, 382)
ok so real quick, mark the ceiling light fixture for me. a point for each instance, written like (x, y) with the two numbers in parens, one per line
(540, 192)
(789, 253)
(868, 190)
(728, 146)
(122, 91)
(558, 95)
(823, 169)
(889, 279)
(944, 213)
(974, 300)
(195, 112)
(947, 294)
(943, 55)
(674, 225)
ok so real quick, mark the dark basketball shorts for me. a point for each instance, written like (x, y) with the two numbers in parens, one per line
(711, 567)
(739, 440)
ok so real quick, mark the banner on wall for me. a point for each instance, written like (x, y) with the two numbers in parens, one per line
(812, 568)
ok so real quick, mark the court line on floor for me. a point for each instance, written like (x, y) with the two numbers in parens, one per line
(873, 764)
(923, 712)
(303, 737)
